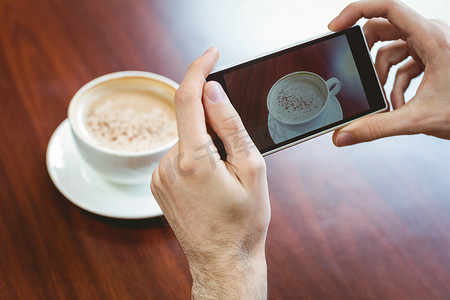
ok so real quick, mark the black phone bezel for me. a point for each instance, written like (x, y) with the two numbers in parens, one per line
(364, 65)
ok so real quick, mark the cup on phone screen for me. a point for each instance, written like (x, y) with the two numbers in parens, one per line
(299, 97)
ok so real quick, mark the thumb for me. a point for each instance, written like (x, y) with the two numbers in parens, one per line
(225, 122)
(374, 127)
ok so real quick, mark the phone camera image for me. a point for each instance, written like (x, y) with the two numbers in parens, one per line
(299, 92)
(300, 102)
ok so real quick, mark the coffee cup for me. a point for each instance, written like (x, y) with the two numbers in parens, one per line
(123, 123)
(299, 97)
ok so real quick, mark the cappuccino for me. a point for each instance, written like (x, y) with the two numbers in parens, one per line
(124, 123)
(299, 97)
(129, 115)
(300, 100)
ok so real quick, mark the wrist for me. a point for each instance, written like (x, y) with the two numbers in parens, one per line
(233, 276)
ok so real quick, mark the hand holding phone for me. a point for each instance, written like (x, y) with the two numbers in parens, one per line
(427, 42)
(304, 90)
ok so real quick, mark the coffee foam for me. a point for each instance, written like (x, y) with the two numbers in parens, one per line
(128, 114)
(298, 100)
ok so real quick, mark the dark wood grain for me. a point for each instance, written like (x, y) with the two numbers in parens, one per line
(366, 222)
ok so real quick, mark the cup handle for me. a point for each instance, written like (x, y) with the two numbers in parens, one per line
(334, 86)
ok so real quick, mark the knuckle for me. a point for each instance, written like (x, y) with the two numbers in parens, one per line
(438, 40)
(403, 70)
(164, 173)
(381, 60)
(416, 117)
(383, 52)
(186, 162)
(404, 75)
(256, 164)
(182, 93)
(196, 67)
(391, 4)
(160, 175)
(441, 34)
(155, 182)
(195, 64)
(354, 6)
(232, 122)
(173, 167)
(374, 131)
(401, 77)
(155, 175)
(370, 26)
(440, 23)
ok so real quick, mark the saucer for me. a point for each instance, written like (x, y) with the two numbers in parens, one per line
(88, 190)
(280, 132)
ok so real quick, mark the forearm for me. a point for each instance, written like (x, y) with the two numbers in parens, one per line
(233, 279)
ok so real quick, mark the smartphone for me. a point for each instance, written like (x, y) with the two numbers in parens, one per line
(304, 90)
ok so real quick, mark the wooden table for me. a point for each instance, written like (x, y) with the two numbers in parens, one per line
(366, 222)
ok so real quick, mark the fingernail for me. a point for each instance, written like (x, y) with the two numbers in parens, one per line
(330, 25)
(210, 49)
(346, 139)
(214, 92)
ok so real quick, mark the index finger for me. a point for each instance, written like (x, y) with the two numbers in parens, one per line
(401, 16)
(378, 29)
(188, 101)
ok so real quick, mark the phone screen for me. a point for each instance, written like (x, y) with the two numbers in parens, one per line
(305, 90)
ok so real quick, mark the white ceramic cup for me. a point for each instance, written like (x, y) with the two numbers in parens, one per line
(299, 97)
(118, 166)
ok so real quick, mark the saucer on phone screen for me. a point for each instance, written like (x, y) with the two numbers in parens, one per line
(280, 132)
(88, 190)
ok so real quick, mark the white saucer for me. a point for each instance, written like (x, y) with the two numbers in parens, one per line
(88, 190)
(280, 132)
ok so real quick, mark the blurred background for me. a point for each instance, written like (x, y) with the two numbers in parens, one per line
(364, 222)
